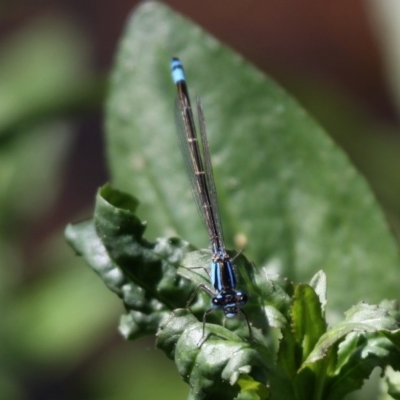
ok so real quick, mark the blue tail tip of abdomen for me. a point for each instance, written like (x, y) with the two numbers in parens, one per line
(178, 74)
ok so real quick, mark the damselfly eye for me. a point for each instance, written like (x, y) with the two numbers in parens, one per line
(242, 298)
(217, 301)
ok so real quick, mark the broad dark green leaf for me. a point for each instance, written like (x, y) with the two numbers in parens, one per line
(282, 183)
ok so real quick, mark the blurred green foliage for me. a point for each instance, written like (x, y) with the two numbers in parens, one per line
(46, 297)
(45, 329)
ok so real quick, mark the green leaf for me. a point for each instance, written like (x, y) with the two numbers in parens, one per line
(142, 274)
(282, 184)
(346, 355)
(213, 364)
(151, 265)
(307, 321)
(299, 339)
(362, 353)
(360, 318)
(319, 283)
(251, 389)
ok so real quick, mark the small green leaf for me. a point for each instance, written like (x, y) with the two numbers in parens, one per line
(307, 321)
(346, 355)
(251, 389)
(299, 339)
(360, 318)
(358, 356)
(319, 284)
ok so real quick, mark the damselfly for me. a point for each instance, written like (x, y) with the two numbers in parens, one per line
(198, 164)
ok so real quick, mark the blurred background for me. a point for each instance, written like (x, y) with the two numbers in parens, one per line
(58, 325)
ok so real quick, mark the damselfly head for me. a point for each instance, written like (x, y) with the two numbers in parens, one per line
(230, 302)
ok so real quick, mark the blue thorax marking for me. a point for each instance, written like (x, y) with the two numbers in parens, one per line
(222, 275)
